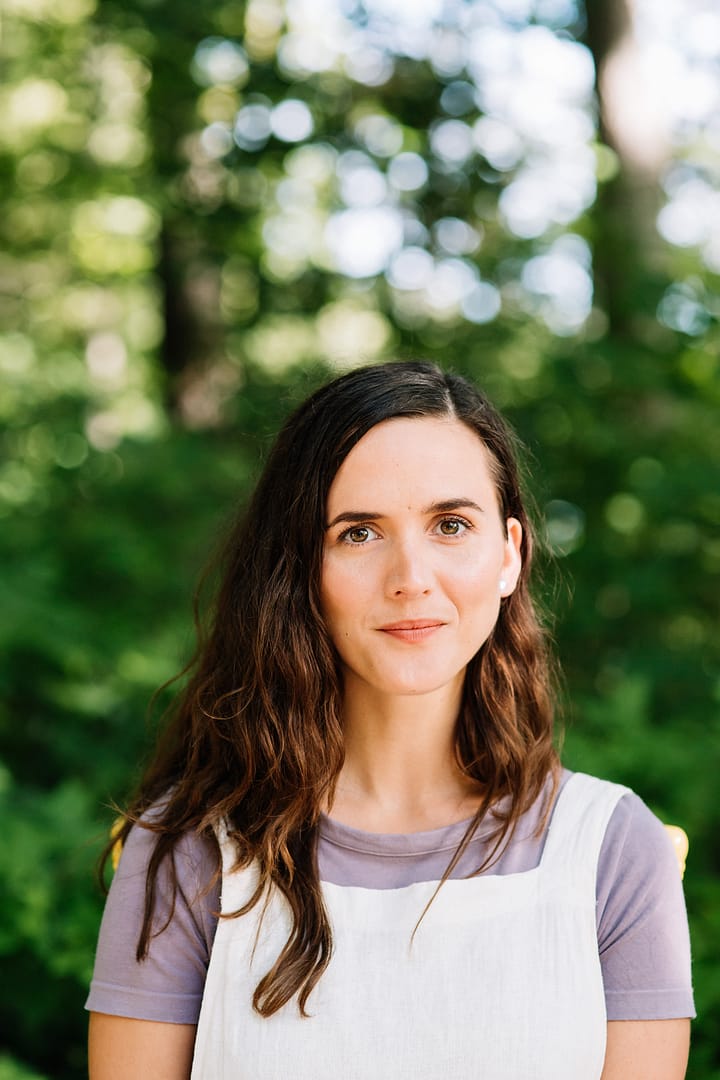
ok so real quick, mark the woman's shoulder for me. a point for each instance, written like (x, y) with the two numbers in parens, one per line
(631, 822)
(167, 984)
(643, 938)
(638, 847)
(635, 836)
(195, 853)
(186, 886)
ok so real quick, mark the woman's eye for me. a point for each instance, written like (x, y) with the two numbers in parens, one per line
(358, 534)
(452, 526)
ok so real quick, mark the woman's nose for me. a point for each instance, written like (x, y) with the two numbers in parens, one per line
(409, 570)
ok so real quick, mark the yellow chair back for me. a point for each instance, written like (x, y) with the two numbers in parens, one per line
(681, 844)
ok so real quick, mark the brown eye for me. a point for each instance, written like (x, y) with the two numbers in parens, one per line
(359, 534)
(451, 527)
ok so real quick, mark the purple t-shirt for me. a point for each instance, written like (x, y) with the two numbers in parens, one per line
(642, 928)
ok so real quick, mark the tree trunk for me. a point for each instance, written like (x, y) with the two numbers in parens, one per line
(628, 249)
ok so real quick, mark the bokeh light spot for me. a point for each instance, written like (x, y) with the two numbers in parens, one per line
(219, 61)
(408, 172)
(625, 513)
(565, 523)
(482, 304)
(412, 268)
(252, 127)
(291, 121)
(362, 241)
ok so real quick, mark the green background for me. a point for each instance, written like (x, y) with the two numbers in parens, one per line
(167, 294)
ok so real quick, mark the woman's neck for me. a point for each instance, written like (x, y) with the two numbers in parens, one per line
(400, 773)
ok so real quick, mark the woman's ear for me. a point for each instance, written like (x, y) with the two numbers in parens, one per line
(512, 560)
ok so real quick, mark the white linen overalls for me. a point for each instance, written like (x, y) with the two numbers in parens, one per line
(502, 981)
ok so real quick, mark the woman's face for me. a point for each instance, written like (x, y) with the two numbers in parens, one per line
(416, 556)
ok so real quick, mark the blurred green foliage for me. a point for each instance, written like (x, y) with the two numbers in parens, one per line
(182, 260)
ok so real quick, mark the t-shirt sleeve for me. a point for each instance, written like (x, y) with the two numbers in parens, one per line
(643, 934)
(168, 984)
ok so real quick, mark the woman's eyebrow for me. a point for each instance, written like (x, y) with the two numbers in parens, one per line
(354, 516)
(453, 504)
(443, 507)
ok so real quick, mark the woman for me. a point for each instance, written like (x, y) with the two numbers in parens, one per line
(361, 776)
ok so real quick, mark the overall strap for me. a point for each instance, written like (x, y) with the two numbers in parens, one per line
(577, 830)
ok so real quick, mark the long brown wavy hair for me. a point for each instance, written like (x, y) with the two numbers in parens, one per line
(255, 739)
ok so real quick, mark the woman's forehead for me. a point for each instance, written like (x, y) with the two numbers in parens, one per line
(425, 459)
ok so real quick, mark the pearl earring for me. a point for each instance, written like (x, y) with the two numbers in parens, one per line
(503, 585)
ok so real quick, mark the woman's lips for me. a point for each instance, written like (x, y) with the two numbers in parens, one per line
(411, 630)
